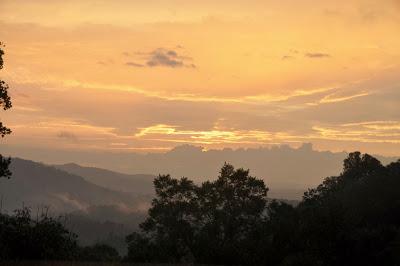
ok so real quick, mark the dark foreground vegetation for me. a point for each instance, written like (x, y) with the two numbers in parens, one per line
(84, 263)
(350, 219)
(27, 238)
(5, 104)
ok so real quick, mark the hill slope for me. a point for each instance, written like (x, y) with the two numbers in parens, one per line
(36, 184)
(138, 184)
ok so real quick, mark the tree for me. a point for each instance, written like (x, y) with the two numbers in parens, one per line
(99, 253)
(231, 207)
(41, 238)
(210, 223)
(349, 219)
(171, 224)
(353, 218)
(5, 103)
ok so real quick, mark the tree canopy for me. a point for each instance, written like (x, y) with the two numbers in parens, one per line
(349, 219)
(26, 238)
(45, 237)
(207, 223)
(5, 103)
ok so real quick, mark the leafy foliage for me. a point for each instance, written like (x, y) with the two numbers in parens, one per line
(43, 238)
(25, 238)
(99, 253)
(4, 167)
(208, 223)
(354, 218)
(350, 219)
(5, 103)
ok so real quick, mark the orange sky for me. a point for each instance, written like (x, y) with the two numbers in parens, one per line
(144, 76)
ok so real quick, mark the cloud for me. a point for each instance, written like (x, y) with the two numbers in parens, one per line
(317, 55)
(162, 57)
(215, 135)
(27, 109)
(364, 131)
(331, 98)
(133, 64)
(287, 57)
(68, 199)
(105, 62)
(67, 136)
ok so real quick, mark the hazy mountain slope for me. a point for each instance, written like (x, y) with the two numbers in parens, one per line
(287, 171)
(104, 224)
(138, 184)
(35, 184)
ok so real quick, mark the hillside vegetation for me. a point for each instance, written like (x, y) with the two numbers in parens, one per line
(349, 219)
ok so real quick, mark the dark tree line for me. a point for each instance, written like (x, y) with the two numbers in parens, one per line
(27, 237)
(350, 219)
(210, 223)
(35, 238)
(5, 103)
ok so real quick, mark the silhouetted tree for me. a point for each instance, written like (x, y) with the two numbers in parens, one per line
(207, 223)
(42, 238)
(99, 253)
(5, 103)
(172, 220)
(354, 218)
(349, 219)
(230, 209)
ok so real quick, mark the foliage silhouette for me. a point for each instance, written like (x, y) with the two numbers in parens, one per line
(207, 224)
(99, 253)
(349, 219)
(5, 103)
(43, 238)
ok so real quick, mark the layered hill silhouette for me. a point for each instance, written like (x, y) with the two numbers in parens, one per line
(103, 205)
(138, 184)
(97, 213)
(38, 185)
(288, 172)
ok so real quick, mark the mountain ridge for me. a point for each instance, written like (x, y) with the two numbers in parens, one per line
(139, 184)
(36, 184)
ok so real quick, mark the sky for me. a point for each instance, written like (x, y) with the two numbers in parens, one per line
(146, 76)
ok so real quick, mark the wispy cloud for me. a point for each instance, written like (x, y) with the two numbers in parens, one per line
(317, 55)
(162, 57)
(357, 133)
(215, 135)
(287, 57)
(133, 64)
(366, 132)
(331, 98)
(67, 135)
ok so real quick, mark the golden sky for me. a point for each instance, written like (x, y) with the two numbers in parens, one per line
(145, 76)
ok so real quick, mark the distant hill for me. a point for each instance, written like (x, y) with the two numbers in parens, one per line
(35, 184)
(288, 171)
(104, 224)
(138, 184)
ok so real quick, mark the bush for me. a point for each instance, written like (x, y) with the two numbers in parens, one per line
(43, 238)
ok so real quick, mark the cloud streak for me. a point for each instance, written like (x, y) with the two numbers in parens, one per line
(383, 132)
(162, 57)
(67, 135)
(133, 64)
(332, 99)
(317, 55)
